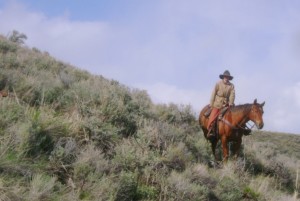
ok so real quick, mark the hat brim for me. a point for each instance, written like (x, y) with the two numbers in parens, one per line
(229, 76)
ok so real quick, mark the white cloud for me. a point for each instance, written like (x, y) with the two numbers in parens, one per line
(77, 42)
(283, 113)
(293, 93)
(164, 93)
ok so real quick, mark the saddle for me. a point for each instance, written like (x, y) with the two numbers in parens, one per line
(221, 114)
(214, 128)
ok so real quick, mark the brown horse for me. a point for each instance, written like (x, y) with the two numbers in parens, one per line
(232, 126)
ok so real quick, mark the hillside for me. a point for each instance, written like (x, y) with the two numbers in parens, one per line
(285, 144)
(68, 135)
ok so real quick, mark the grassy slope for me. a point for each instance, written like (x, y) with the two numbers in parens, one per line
(288, 144)
(68, 135)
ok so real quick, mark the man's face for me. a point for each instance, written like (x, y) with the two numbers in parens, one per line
(226, 79)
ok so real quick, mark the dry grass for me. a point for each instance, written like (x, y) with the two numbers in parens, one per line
(41, 187)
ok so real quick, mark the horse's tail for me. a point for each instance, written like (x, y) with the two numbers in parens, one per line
(202, 115)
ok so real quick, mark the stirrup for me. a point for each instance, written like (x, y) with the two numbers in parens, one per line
(210, 133)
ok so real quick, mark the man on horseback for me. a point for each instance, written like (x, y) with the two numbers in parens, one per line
(223, 95)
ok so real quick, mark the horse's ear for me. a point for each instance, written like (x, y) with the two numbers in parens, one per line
(255, 101)
(262, 104)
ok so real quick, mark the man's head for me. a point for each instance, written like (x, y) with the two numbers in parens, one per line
(226, 76)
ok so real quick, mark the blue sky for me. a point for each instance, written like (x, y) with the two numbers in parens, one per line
(175, 49)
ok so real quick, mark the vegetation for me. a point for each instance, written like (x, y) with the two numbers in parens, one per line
(68, 135)
(17, 37)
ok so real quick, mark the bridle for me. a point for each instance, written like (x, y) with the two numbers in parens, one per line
(241, 125)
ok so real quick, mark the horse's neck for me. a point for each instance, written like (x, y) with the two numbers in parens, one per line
(238, 118)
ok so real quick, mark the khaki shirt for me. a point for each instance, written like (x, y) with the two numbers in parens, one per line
(222, 94)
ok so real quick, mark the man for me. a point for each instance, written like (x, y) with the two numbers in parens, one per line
(222, 95)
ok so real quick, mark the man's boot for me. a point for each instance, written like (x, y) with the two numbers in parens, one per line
(211, 132)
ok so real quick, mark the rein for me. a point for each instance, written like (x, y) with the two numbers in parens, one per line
(246, 128)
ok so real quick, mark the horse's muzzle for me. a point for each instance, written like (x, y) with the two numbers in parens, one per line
(260, 125)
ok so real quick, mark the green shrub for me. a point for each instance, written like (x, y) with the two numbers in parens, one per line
(3, 81)
(10, 113)
(229, 190)
(15, 81)
(104, 135)
(90, 161)
(267, 163)
(43, 133)
(62, 157)
(253, 164)
(142, 102)
(281, 173)
(199, 174)
(127, 188)
(177, 157)
(6, 46)
(199, 148)
(65, 101)
(121, 112)
(40, 141)
(81, 75)
(250, 194)
(160, 135)
(130, 156)
(89, 175)
(36, 50)
(146, 193)
(52, 94)
(66, 78)
(180, 188)
(175, 114)
(42, 64)
(65, 150)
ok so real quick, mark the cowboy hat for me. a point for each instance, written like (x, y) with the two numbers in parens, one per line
(226, 74)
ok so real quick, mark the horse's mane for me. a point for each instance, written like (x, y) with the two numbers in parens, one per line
(243, 107)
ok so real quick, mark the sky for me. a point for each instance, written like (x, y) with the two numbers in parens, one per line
(174, 49)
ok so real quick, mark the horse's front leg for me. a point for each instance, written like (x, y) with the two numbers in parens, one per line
(236, 148)
(225, 148)
(214, 143)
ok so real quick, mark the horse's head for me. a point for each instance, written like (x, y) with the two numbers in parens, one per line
(256, 114)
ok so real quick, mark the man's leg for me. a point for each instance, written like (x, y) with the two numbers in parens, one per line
(213, 115)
